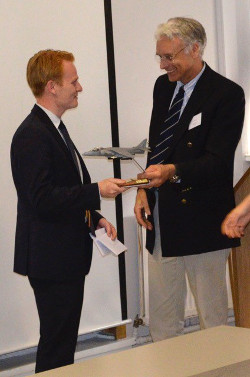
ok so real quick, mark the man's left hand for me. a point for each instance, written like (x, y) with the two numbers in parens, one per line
(110, 229)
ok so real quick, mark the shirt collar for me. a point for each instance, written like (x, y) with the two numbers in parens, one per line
(191, 84)
(54, 118)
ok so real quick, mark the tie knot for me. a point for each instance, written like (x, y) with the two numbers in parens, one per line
(181, 90)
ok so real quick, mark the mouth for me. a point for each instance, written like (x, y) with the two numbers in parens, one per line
(170, 71)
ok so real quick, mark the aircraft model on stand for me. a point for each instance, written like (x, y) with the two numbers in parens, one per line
(119, 152)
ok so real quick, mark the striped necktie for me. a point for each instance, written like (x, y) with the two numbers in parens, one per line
(168, 128)
(69, 144)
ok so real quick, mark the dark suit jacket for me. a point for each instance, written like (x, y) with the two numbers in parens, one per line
(191, 212)
(52, 238)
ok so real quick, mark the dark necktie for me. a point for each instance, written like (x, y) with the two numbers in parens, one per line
(167, 129)
(71, 148)
(69, 144)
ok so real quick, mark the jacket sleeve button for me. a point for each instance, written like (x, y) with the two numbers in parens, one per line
(189, 144)
(184, 201)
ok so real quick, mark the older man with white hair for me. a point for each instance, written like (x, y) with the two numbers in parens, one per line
(195, 127)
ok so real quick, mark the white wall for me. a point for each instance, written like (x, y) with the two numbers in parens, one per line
(234, 54)
(242, 13)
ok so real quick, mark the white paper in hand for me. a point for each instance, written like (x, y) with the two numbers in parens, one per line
(105, 245)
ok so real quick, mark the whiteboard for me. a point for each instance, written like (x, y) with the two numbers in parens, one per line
(28, 26)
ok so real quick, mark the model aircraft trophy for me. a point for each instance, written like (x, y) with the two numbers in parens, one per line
(123, 154)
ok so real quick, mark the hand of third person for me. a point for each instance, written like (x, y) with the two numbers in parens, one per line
(237, 220)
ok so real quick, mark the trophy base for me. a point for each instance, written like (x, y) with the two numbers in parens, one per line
(136, 182)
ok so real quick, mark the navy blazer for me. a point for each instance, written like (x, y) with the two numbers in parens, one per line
(52, 238)
(191, 212)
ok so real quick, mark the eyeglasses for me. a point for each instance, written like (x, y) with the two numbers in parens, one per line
(167, 58)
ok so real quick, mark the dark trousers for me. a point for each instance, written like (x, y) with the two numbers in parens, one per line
(59, 305)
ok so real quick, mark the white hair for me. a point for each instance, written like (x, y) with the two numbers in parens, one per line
(188, 30)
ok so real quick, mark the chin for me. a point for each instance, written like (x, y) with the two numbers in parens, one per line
(172, 79)
(172, 76)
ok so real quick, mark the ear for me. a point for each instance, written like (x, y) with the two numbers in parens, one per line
(195, 50)
(50, 86)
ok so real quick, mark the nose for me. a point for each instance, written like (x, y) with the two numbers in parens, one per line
(164, 64)
(79, 87)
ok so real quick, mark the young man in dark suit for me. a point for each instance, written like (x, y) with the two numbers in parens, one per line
(196, 124)
(57, 206)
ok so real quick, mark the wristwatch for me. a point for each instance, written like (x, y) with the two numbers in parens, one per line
(174, 179)
(176, 176)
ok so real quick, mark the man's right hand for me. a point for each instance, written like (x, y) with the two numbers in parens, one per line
(141, 209)
(158, 174)
(110, 188)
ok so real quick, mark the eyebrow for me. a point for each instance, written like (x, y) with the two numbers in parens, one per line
(164, 54)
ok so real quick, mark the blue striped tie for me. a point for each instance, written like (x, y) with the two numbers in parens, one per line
(168, 129)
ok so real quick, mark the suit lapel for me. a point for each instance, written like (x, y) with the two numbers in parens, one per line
(202, 90)
(52, 129)
(47, 123)
(163, 101)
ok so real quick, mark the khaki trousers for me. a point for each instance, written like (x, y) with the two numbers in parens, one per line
(167, 289)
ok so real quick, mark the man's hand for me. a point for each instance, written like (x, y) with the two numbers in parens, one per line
(141, 208)
(158, 174)
(110, 229)
(109, 188)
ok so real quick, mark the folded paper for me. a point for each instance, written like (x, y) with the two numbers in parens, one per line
(105, 245)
